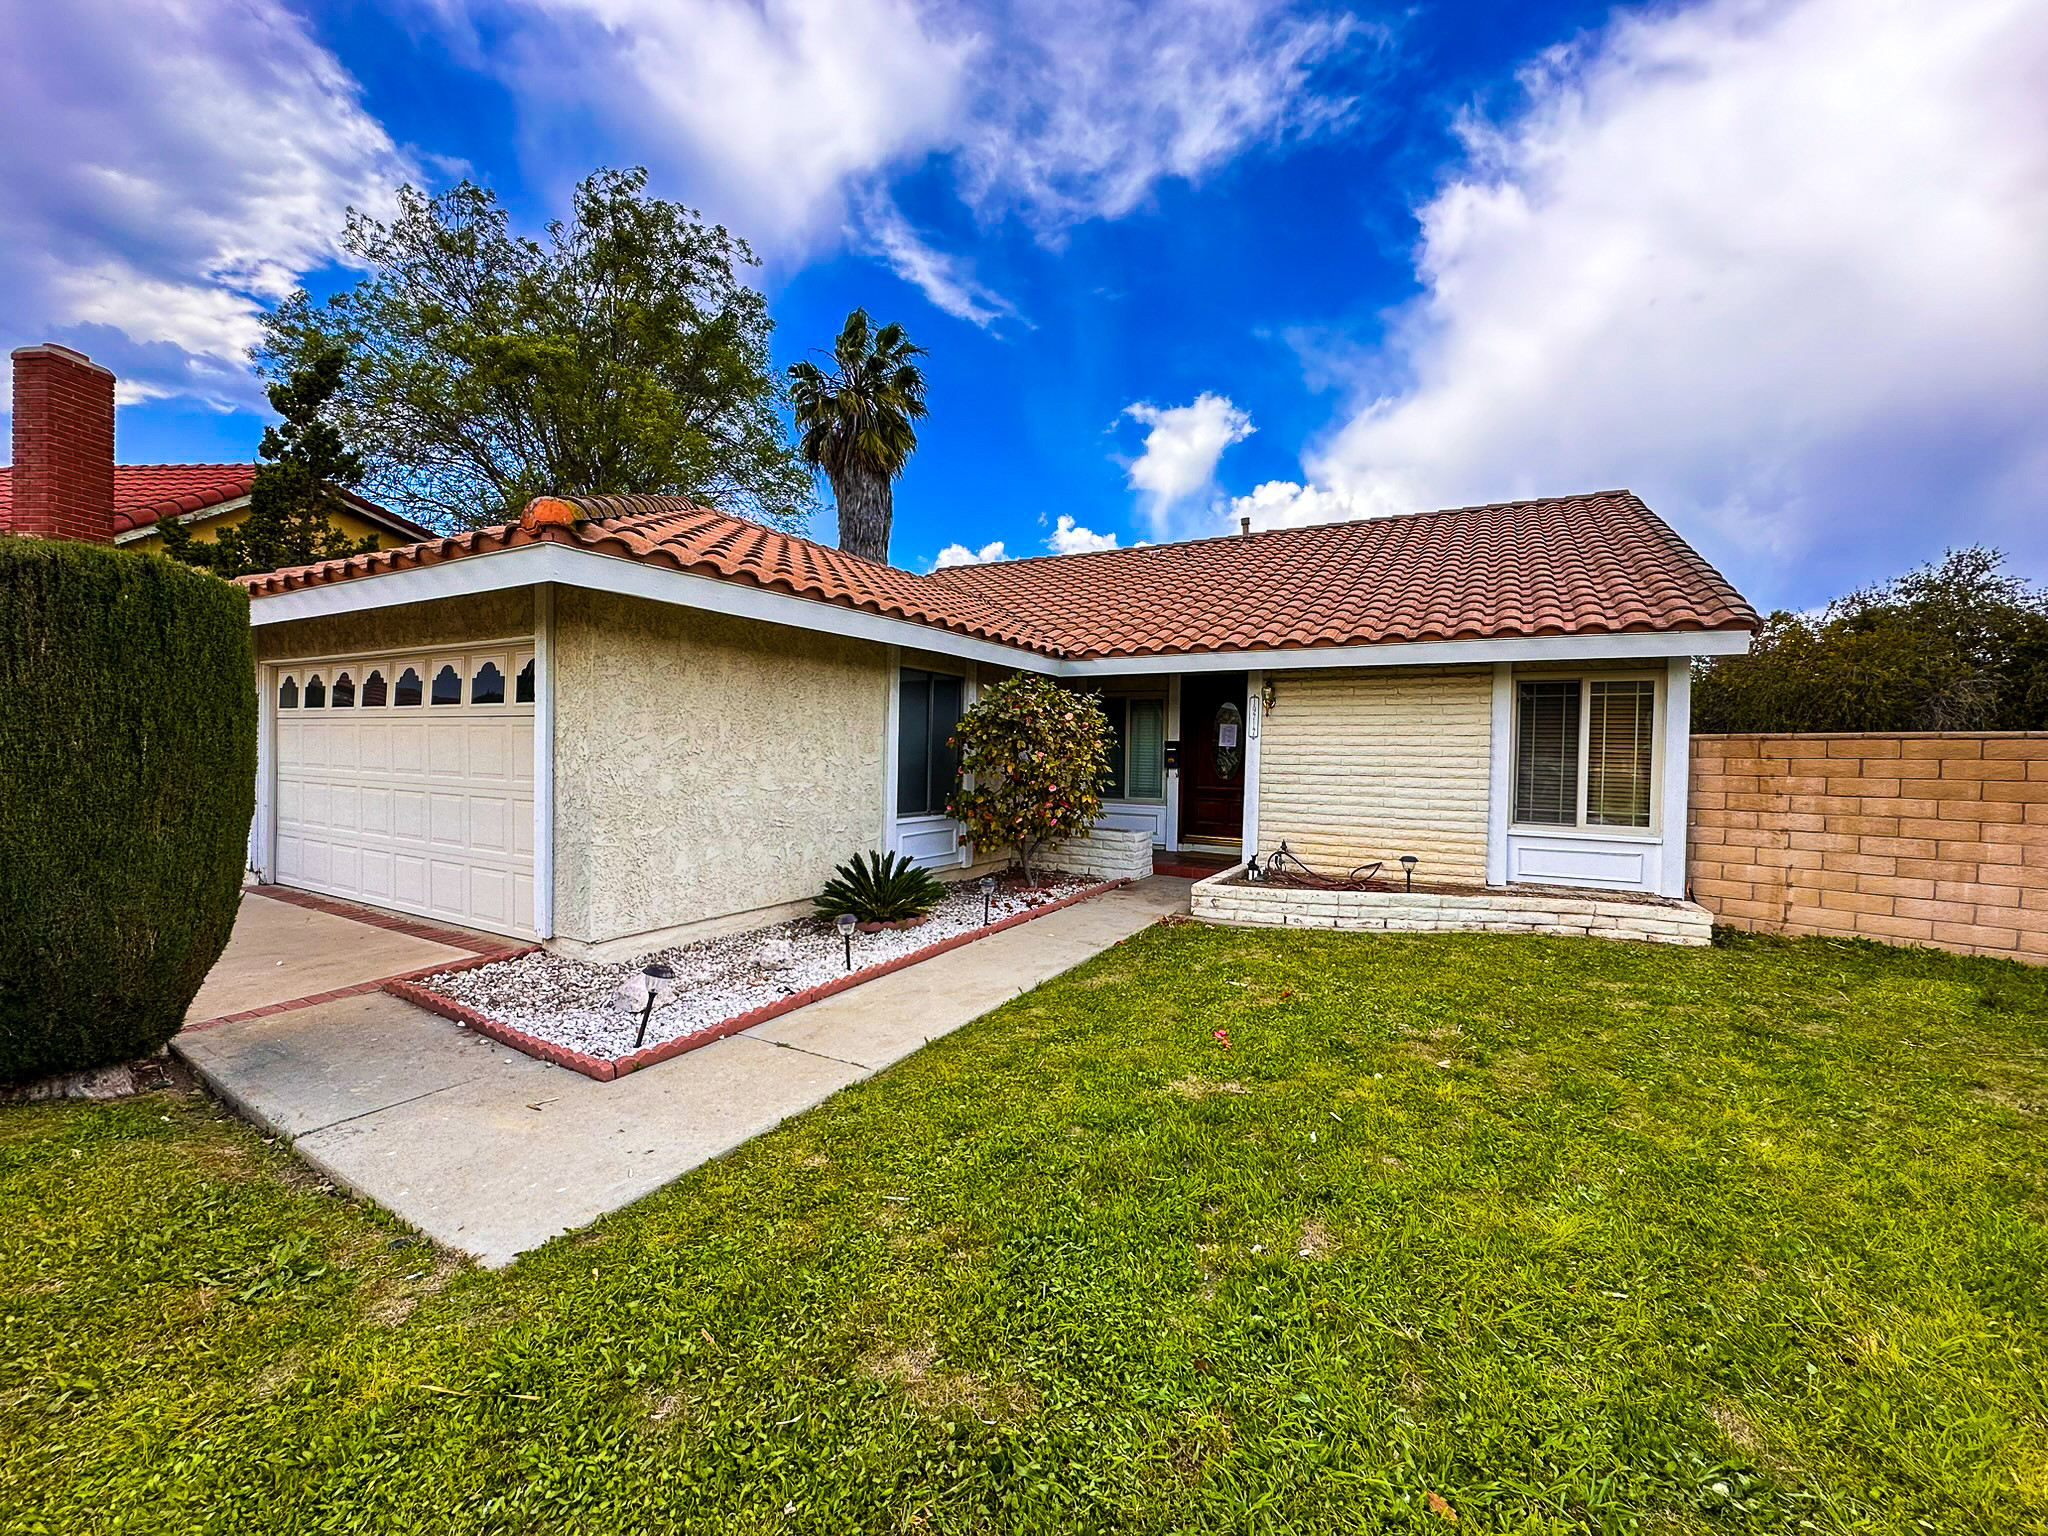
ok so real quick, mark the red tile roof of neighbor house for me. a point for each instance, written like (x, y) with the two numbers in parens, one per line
(1568, 565)
(144, 493)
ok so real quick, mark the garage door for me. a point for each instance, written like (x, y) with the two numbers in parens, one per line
(406, 781)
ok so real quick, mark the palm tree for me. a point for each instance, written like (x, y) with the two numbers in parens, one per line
(856, 424)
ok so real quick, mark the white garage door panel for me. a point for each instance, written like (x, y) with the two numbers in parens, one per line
(423, 807)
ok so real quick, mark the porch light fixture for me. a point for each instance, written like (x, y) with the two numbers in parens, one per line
(1267, 695)
(845, 923)
(988, 899)
(1408, 863)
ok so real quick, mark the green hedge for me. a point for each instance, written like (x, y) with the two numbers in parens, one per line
(127, 781)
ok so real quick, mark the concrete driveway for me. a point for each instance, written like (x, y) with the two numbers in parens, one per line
(491, 1152)
(282, 952)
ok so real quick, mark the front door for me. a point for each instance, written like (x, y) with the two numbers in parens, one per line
(1212, 730)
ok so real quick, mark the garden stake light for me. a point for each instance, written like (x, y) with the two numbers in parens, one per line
(846, 921)
(988, 899)
(661, 982)
(1408, 863)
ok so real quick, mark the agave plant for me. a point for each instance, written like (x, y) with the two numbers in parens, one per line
(880, 888)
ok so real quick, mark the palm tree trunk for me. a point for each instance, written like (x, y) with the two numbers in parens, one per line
(866, 509)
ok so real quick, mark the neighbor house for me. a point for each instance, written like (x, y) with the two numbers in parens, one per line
(65, 484)
(624, 720)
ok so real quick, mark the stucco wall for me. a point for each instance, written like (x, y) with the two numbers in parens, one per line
(1371, 763)
(705, 766)
(450, 621)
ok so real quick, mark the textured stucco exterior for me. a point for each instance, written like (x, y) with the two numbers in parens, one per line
(506, 615)
(705, 766)
(1372, 763)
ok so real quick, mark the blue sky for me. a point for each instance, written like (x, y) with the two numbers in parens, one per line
(1779, 265)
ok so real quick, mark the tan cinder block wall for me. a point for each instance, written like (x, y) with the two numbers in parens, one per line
(1374, 762)
(705, 766)
(1936, 838)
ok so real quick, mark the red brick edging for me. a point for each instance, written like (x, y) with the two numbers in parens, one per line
(483, 949)
(605, 1071)
(454, 938)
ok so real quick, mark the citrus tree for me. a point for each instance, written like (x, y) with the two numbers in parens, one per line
(1033, 759)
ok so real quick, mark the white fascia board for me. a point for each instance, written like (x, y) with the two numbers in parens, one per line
(571, 567)
(1432, 653)
(217, 509)
(574, 567)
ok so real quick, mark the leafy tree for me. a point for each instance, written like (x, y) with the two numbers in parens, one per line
(1958, 646)
(1033, 759)
(857, 426)
(621, 355)
(297, 490)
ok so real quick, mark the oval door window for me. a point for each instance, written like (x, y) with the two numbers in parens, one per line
(1229, 743)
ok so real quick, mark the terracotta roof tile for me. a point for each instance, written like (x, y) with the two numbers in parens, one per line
(143, 493)
(1597, 564)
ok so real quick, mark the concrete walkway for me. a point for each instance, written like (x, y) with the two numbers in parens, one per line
(279, 952)
(489, 1151)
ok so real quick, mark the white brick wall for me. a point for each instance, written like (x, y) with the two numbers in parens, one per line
(1111, 853)
(1492, 911)
(1375, 762)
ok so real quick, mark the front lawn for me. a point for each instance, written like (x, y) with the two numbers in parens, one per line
(1474, 1234)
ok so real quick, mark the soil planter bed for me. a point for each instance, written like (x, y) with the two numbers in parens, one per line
(562, 1010)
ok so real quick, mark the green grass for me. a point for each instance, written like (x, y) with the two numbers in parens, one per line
(1565, 1235)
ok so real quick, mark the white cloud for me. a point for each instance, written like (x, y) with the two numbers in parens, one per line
(774, 114)
(960, 554)
(1067, 539)
(1284, 504)
(1780, 267)
(172, 170)
(947, 281)
(1181, 452)
(1084, 106)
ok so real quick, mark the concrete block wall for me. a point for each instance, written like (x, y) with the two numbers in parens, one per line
(1916, 838)
(1110, 854)
(1374, 762)
(1498, 910)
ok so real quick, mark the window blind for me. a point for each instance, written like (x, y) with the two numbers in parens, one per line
(1118, 748)
(1147, 775)
(1619, 720)
(1547, 754)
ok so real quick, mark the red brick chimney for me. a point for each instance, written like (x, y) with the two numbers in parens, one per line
(63, 479)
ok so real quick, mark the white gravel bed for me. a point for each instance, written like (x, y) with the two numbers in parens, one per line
(575, 1003)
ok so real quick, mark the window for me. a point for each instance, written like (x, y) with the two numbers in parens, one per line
(408, 689)
(1618, 719)
(344, 692)
(374, 691)
(1137, 756)
(928, 707)
(288, 693)
(1583, 752)
(316, 692)
(488, 686)
(447, 686)
(522, 687)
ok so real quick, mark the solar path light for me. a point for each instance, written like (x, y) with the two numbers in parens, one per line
(846, 921)
(1408, 863)
(988, 899)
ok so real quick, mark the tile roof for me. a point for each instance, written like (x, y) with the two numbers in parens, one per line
(1572, 565)
(143, 493)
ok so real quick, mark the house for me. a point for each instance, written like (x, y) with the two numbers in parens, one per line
(64, 482)
(624, 721)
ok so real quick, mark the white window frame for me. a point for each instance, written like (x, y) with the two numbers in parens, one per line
(931, 838)
(1579, 826)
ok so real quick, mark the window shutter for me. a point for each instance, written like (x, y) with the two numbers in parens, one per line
(1547, 755)
(1619, 721)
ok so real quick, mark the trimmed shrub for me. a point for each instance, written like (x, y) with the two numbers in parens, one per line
(127, 783)
(880, 888)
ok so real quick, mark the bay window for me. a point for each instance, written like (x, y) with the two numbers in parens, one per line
(1584, 750)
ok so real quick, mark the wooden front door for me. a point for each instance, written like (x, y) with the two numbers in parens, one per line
(1212, 749)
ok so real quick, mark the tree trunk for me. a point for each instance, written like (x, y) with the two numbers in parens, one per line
(866, 508)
